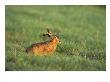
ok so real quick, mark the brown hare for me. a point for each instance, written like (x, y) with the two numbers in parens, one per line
(44, 48)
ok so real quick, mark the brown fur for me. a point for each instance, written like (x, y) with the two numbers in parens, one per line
(44, 48)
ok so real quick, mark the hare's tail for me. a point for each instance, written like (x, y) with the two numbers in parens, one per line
(28, 50)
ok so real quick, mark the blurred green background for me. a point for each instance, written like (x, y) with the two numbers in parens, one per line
(82, 31)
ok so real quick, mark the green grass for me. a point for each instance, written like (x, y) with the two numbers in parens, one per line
(82, 31)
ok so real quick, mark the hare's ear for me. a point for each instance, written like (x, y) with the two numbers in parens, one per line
(48, 31)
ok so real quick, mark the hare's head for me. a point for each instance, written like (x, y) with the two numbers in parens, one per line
(53, 38)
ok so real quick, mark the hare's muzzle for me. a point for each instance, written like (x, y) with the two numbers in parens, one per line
(60, 42)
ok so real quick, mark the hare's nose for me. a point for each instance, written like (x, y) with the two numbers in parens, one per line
(60, 42)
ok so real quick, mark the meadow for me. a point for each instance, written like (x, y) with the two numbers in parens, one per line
(82, 32)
